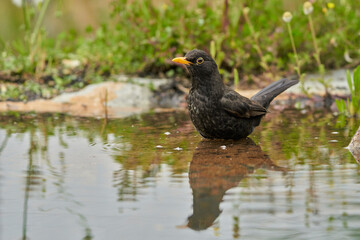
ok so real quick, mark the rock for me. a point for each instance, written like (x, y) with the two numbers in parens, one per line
(354, 146)
(336, 79)
(121, 98)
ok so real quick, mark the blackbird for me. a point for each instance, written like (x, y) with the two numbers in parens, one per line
(216, 110)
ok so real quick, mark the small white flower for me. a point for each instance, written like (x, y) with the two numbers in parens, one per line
(167, 133)
(37, 1)
(287, 16)
(178, 149)
(308, 8)
(159, 146)
(223, 147)
(18, 3)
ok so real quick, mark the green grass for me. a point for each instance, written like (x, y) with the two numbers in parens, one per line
(140, 38)
(351, 106)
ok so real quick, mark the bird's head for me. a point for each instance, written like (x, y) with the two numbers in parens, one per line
(199, 63)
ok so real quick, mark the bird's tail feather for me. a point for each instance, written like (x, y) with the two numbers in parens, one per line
(266, 95)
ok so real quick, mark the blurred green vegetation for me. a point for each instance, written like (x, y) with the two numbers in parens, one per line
(140, 37)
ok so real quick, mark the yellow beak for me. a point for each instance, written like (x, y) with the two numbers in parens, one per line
(181, 60)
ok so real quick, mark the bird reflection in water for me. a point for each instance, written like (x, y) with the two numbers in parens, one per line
(216, 167)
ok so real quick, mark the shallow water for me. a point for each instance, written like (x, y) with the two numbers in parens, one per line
(153, 177)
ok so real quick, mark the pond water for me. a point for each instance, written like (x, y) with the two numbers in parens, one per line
(152, 177)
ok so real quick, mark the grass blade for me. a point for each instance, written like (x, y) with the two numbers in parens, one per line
(236, 78)
(356, 80)
(349, 81)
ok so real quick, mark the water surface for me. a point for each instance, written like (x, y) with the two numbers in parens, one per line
(153, 177)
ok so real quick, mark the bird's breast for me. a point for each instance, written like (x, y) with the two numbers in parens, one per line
(202, 104)
(203, 110)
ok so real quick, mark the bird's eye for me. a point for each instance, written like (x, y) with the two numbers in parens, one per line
(200, 60)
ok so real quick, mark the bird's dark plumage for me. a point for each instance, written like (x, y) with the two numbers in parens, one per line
(218, 111)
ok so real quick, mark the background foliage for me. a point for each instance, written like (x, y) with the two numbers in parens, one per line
(140, 37)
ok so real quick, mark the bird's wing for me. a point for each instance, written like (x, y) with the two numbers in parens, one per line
(240, 106)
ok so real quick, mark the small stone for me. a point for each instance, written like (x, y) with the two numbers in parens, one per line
(223, 147)
(159, 146)
(354, 146)
(178, 149)
(71, 63)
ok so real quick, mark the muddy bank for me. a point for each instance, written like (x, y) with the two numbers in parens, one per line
(127, 96)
